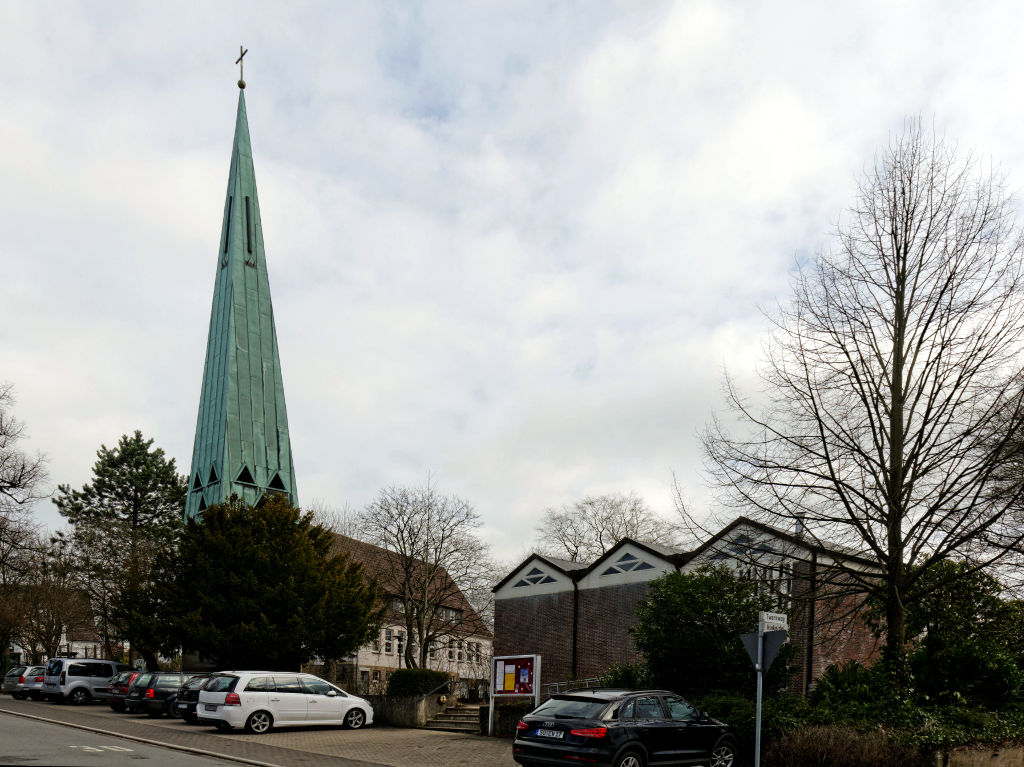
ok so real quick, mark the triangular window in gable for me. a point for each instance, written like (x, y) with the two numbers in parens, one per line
(196, 484)
(626, 563)
(202, 504)
(214, 479)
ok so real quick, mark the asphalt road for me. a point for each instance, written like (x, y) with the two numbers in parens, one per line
(317, 746)
(26, 742)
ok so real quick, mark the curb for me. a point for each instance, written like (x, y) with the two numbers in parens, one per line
(137, 739)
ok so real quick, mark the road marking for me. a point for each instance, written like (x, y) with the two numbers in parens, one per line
(102, 748)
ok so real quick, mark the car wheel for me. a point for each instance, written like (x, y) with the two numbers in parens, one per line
(79, 696)
(118, 706)
(259, 722)
(630, 759)
(724, 753)
(172, 709)
(35, 696)
(355, 719)
(223, 726)
(19, 695)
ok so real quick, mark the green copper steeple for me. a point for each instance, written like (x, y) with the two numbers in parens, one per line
(242, 445)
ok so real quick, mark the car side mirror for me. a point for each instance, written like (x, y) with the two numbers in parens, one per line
(332, 694)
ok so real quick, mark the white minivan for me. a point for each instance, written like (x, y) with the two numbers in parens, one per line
(259, 700)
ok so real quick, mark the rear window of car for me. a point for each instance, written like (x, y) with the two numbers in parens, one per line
(172, 681)
(196, 682)
(221, 684)
(16, 671)
(53, 668)
(571, 708)
(34, 671)
(142, 680)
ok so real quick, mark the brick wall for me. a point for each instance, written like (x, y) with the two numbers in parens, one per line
(605, 616)
(537, 625)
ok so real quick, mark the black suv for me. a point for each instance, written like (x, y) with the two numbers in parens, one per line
(621, 728)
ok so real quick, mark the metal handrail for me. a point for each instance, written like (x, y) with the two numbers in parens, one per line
(572, 684)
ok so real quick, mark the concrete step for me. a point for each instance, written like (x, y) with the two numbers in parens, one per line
(456, 718)
(471, 729)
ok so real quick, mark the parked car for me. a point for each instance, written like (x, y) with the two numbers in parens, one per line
(14, 679)
(259, 700)
(187, 698)
(622, 728)
(117, 690)
(152, 692)
(33, 685)
(79, 680)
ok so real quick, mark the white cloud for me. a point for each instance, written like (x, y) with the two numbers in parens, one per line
(512, 244)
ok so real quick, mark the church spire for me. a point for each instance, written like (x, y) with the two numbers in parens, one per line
(242, 444)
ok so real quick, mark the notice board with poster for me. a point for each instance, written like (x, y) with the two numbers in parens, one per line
(514, 676)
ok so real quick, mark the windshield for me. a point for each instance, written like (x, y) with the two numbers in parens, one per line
(571, 708)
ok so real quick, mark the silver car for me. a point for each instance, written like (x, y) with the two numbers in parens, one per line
(33, 686)
(79, 680)
(14, 679)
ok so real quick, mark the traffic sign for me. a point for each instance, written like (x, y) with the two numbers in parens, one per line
(773, 621)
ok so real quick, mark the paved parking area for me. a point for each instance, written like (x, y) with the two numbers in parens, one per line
(289, 747)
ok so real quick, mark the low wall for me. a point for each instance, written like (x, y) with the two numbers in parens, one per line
(1011, 756)
(412, 711)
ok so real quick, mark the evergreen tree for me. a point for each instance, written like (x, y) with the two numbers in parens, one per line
(259, 587)
(689, 628)
(128, 515)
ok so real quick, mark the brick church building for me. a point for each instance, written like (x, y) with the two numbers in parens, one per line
(576, 615)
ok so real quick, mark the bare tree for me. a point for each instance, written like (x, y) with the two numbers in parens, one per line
(52, 604)
(21, 484)
(430, 551)
(344, 520)
(892, 382)
(584, 530)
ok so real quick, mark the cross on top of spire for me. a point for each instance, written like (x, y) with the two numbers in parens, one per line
(242, 50)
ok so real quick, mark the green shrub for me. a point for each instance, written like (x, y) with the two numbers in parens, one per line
(839, 746)
(635, 677)
(414, 681)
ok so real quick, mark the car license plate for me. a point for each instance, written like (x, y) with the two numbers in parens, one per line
(183, 705)
(208, 707)
(550, 733)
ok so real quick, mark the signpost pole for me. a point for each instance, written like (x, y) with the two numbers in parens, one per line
(536, 681)
(757, 715)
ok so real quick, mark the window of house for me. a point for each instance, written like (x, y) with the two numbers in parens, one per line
(432, 650)
(376, 676)
(451, 649)
(400, 643)
(376, 643)
(387, 676)
(458, 647)
(477, 652)
(388, 639)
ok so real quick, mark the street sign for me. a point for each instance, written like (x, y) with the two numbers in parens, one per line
(773, 641)
(773, 621)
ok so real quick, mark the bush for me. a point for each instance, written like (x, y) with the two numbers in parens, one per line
(414, 681)
(839, 746)
(635, 677)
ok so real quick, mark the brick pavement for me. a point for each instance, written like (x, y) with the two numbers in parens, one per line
(290, 747)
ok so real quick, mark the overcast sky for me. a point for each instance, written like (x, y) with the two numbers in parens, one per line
(511, 244)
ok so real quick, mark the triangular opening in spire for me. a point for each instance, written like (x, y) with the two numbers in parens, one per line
(197, 485)
(202, 504)
(245, 477)
(277, 484)
(213, 476)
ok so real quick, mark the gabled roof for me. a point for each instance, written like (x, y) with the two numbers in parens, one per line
(565, 566)
(376, 562)
(809, 545)
(577, 570)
